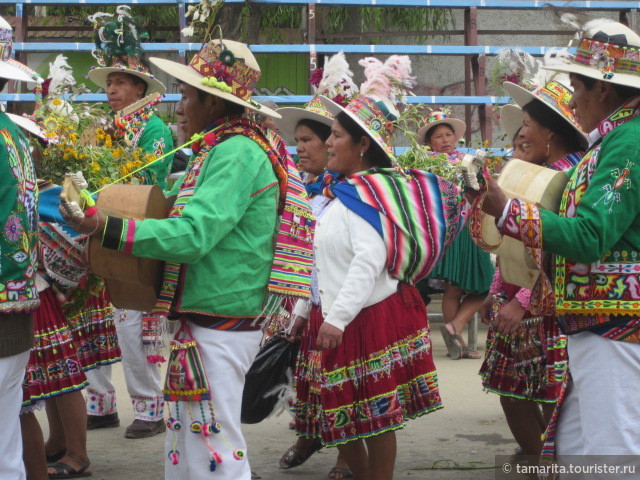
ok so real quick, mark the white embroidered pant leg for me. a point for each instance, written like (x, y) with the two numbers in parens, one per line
(100, 394)
(142, 378)
(226, 356)
(600, 414)
(11, 376)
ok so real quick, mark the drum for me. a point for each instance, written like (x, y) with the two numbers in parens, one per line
(534, 184)
(133, 282)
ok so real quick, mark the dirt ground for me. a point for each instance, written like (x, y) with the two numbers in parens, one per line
(459, 441)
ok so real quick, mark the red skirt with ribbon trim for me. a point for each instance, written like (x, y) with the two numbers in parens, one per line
(379, 376)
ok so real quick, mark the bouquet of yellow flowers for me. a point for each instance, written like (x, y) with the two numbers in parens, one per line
(79, 140)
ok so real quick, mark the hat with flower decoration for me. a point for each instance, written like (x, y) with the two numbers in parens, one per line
(441, 117)
(223, 68)
(118, 49)
(374, 108)
(10, 68)
(28, 125)
(606, 50)
(333, 81)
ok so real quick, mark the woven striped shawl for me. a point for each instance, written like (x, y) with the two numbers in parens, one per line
(418, 214)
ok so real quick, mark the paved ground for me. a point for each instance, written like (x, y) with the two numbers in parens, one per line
(457, 442)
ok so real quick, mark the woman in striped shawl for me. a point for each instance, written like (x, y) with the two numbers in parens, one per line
(368, 362)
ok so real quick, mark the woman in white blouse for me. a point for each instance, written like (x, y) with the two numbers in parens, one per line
(366, 362)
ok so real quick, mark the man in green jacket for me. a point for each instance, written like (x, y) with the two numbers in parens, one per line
(18, 292)
(226, 269)
(595, 242)
(127, 79)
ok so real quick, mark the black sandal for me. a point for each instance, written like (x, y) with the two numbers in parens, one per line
(291, 458)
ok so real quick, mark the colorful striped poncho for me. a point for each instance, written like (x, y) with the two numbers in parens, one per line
(418, 214)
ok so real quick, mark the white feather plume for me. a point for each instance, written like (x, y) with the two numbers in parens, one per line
(552, 57)
(61, 75)
(336, 78)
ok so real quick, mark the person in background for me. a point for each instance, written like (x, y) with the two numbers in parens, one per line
(525, 359)
(465, 271)
(127, 79)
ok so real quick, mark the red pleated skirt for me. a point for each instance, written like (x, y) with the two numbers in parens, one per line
(54, 367)
(379, 376)
(94, 330)
(530, 364)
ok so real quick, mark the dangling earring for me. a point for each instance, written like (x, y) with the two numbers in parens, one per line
(548, 147)
(361, 155)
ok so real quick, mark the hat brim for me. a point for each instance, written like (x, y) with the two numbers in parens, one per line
(12, 72)
(617, 78)
(459, 127)
(99, 77)
(28, 125)
(335, 109)
(522, 97)
(188, 75)
(291, 116)
(511, 120)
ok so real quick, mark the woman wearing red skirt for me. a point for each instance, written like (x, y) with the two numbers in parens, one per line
(367, 364)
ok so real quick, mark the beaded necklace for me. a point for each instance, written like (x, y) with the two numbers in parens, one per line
(131, 125)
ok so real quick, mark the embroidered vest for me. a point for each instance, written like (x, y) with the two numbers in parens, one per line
(587, 296)
(19, 217)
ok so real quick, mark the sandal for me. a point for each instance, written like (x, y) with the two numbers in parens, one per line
(291, 458)
(453, 341)
(472, 354)
(67, 471)
(56, 456)
(343, 472)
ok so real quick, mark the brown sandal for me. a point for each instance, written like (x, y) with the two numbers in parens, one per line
(472, 354)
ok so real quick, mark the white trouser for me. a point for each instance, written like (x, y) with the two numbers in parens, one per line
(142, 378)
(11, 376)
(600, 414)
(226, 357)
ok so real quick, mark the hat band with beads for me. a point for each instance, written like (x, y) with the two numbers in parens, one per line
(222, 70)
(558, 97)
(316, 106)
(376, 117)
(609, 58)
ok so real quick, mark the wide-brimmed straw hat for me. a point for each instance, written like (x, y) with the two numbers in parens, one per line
(118, 49)
(554, 94)
(28, 125)
(511, 119)
(610, 52)
(438, 118)
(223, 68)
(291, 116)
(10, 68)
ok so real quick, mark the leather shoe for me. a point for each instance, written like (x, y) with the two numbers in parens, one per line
(144, 428)
(103, 421)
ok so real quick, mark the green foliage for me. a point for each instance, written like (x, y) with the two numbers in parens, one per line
(377, 19)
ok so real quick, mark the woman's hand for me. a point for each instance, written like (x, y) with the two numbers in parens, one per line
(485, 309)
(509, 317)
(328, 337)
(297, 329)
(85, 225)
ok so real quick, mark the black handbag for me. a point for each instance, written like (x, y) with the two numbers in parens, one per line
(268, 381)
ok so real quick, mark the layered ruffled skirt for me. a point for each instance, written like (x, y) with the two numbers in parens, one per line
(530, 364)
(379, 376)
